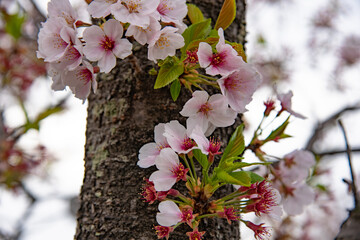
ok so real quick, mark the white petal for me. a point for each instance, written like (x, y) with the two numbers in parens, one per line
(163, 181)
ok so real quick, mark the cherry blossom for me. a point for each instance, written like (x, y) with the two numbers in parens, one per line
(177, 137)
(149, 152)
(164, 43)
(206, 146)
(170, 170)
(239, 86)
(230, 214)
(80, 80)
(223, 62)
(62, 9)
(105, 45)
(144, 35)
(260, 232)
(163, 232)
(55, 75)
(172, 10)
(296, 196)
(195, 235)
(296, 165)
(208, 112)
(101, 8)
(169, 214)
(54, 39)
(136, 12)
(285, 100)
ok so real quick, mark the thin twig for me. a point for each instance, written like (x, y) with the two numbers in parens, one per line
(336, 151)
(321, 126)
(348, 152)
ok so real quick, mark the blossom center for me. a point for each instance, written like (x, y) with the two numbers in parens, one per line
(217, 59)
(187, 144)
(163, 42)
(180, 172)
(107, 44)
(232, 84)
(205, 108)
(133, 6)
(58, 42)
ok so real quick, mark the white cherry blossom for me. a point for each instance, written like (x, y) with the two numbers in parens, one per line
(149, 152)
(62, 9)
(136, 12)
(164, 43)
(169, 214)
(101, 8)
(144, 35)
(172, 10)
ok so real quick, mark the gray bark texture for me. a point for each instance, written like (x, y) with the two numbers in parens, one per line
(121, 118)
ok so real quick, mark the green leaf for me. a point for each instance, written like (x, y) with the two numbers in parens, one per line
(278, 132)
(255, 177)
(175, 89)
(235, 146)
(201, 158)
(196, 31)
(13, 24)
(227, 14)
(170, 70)
(239, 178)
(194, 13)
(238, 165)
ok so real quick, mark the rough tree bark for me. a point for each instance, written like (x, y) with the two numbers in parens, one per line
(121, 118)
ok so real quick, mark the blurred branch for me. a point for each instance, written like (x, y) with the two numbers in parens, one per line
(321, 126)
(348, 152)
(336, 151)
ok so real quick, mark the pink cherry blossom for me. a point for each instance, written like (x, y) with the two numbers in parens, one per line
(170, 170)
(239, 86)
(208, 112)
(295, 197)
(207, 147)
(285, 100)
(296, 165)
(224, 61)
(172, 10)
(80, 80)
(105, 45)
(144, 35)
(55, 75)
(149, 152)
(62, 9)
(195, 234)
(101, 8)
(164, 44)
(169, 214)
(178, 138)
(54, 39)
(136, 12)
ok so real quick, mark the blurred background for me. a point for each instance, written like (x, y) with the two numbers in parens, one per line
(309, 47)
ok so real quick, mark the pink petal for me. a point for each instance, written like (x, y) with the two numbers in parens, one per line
(204, 54)
(163, 181)
(147, 155)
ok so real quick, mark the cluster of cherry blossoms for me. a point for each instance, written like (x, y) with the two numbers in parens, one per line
(179, 152)
(74, 59)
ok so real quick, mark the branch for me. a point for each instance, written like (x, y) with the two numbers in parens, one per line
(336, 151)
(348, 151)
(321, 126)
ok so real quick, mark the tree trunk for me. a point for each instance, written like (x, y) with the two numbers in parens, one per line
(121, 118)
